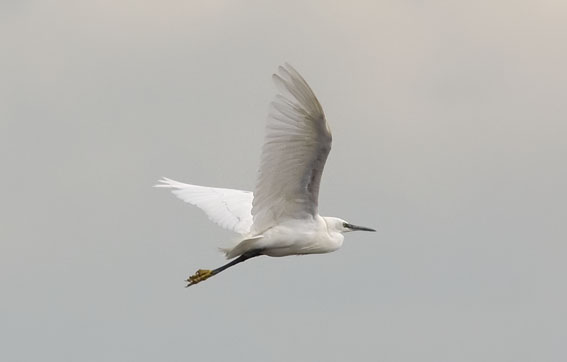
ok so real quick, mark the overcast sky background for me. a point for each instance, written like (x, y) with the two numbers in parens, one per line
(449, 123)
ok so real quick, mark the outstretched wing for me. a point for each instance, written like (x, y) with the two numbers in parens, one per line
(296, 146)
(230, 209)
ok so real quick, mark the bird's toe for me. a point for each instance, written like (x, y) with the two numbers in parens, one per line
(199, 276)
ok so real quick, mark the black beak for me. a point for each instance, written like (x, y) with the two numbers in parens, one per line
(359, 228)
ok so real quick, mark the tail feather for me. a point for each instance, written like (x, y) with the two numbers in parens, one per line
(242, 247)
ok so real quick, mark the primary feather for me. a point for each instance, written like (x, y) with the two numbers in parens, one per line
(296, 146)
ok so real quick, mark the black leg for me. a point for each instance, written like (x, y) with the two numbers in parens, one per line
(203, 274)
(247, 255)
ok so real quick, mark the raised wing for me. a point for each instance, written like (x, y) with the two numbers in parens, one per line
(228, 208)
(296, 146)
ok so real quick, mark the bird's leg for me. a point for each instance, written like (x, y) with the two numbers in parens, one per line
(204, 274)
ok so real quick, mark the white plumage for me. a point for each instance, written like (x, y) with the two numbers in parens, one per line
(228, 208)
(281, 217)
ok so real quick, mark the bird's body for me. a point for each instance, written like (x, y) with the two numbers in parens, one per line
(281, 217)
(294, 237)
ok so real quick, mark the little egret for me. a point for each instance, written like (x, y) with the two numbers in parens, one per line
(281, 217)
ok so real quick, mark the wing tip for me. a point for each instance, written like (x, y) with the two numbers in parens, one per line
(167, 183)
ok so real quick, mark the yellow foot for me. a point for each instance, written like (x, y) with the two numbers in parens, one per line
(199, 276)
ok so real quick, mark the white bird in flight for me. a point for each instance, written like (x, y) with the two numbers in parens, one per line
(281, 217)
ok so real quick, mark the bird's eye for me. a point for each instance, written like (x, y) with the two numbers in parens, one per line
(345, 224)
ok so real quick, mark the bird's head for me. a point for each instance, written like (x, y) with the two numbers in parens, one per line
(342, 226)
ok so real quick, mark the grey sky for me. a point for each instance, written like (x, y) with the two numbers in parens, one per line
(449, 122)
